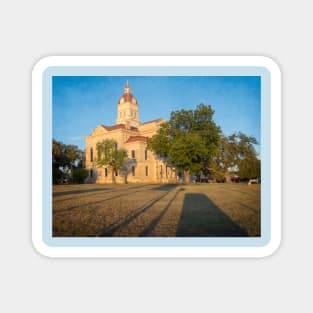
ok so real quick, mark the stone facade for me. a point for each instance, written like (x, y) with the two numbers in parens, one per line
(131, 135)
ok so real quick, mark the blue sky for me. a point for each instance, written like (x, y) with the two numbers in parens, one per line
(81, 103)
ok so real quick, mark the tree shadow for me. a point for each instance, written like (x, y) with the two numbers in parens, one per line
(202, 218)
(93, 192)
(74, 192)
(128, 219)
(148, 230)
(83, 205)
(99, 189)
(166, 187)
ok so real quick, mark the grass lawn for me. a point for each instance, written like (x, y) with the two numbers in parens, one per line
(223, 210)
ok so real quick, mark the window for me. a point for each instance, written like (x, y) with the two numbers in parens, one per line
(133, 170)
(161, 171)
(146, 155)
(106, 172)
(91, 173)
(147, 172)
(115, 146)
(91, 154)
(133, 154)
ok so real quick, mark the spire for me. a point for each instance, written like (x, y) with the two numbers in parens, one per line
(127, 88)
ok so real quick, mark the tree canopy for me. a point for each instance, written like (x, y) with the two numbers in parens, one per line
(64, 157)
(238, 153)
(189, 140)
(108, 155)
(192, 142)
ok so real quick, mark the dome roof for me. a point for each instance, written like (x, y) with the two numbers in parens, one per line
(127, 96)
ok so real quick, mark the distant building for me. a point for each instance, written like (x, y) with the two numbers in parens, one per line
(132, 136)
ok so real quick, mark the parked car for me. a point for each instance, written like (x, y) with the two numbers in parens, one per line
(254, 181)
(203, 179)
(235, 179)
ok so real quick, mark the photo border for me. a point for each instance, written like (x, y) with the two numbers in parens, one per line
(180, 247)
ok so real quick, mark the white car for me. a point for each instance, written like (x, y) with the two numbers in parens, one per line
(253, 181)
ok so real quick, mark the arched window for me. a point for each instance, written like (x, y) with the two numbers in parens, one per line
(91, 154)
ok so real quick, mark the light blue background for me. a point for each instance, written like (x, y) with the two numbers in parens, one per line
(156, 71)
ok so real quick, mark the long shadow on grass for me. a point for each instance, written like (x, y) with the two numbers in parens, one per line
(202, 218)
(148, 230)
(104, 188)
(128, 219)
(74, 192)
(127, 190)
(94, 202)
(93, 191)
(165, 187)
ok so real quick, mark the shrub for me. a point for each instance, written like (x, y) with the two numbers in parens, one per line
(56, 175)
(79, 175)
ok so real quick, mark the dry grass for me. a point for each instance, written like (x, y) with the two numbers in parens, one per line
(226, 210)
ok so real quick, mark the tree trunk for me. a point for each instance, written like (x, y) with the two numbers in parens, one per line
(113, 176)
(227, 177)
(187, 176)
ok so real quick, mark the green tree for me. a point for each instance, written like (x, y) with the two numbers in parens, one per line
(250, 168)
(238, 152)
(126, 168)
(56, 175)
(189, 140)
(73, 154)
(187, 153)
(79, 175)
(64, 157)
(109, 155)
(58, 154)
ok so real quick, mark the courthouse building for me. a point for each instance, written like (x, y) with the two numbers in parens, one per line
(130, 135)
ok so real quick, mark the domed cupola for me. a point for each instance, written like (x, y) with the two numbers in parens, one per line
(127, 109)
(127, 96)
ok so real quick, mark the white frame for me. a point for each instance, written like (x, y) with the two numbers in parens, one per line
(156, 252)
